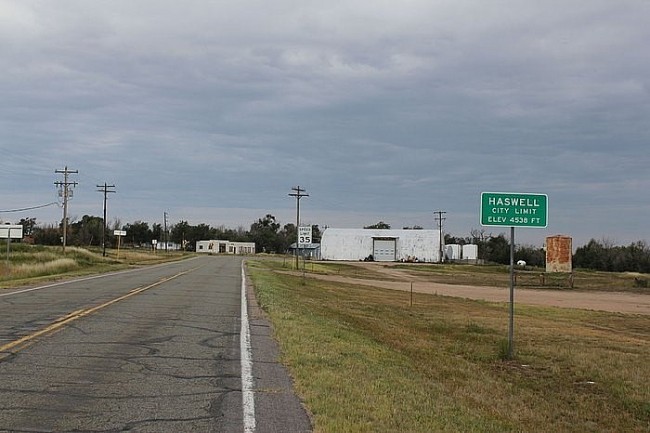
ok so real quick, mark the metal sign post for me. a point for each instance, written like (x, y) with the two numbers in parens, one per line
(512, 209)
(511, 321)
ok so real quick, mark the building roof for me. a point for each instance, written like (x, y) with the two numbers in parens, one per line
(305, 246)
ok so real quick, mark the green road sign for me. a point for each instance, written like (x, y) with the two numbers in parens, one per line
(514, 209)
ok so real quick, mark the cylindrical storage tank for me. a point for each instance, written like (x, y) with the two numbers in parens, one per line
(470, 252)
(453, 251)
(559, 253)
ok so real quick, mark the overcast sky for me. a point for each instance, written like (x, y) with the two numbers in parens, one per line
(382, 110)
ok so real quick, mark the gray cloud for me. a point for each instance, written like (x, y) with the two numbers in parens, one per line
(382, 110)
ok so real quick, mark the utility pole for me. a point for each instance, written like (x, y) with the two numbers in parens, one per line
(66, 192)
(105, 189)
(439, 219)
(165, 230)
(298, 194)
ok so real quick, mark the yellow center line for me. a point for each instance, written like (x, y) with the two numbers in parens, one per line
(75, 315)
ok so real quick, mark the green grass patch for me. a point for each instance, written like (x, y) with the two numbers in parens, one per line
(364, 361)
(288, 263)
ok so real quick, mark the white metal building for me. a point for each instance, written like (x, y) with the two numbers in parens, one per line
(170, 246)
(225, 247)
(383, 245)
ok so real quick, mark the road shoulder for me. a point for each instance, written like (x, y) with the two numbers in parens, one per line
(277, 408)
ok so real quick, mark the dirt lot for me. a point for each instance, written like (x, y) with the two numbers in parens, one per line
(603, 301)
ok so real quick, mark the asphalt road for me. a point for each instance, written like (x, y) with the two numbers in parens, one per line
(158, 349)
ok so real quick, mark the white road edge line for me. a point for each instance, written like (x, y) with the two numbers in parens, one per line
(248, 401)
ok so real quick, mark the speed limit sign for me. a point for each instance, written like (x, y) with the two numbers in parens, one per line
(304, 235)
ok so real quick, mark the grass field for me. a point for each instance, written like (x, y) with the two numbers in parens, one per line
(483, 275)
(33, 263)
(498, 275)
(365, 361)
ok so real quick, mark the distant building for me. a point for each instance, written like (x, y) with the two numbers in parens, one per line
(225, 247)
(308, 251)
(170, 246)
(382, 245)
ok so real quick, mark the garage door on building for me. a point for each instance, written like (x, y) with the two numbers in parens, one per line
(384, 249)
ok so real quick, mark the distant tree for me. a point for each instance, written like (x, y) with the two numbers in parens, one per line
(379, 225)
(416, 227)
(47, 235)
(188, 235)
(179, 233)
(157, 232)
(264, 233)
(28, 225)
(589, 256)
(316, 234)
(639, 254)
(497, 249)
(477, 236)
(220, 233)
(449, 239)
(241, 235)
(533, 256)
(138, 233)
(86, 232)
(234, 235)
(480, 237)
(202, 232)
(604, 256)
(287, 236)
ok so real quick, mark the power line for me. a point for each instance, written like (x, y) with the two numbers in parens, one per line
(29, 208)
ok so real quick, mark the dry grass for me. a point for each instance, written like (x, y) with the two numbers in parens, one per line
(30, 263)
(56, 266)
(145, 257)
(364, 361)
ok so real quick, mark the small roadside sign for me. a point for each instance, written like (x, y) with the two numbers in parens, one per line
(119, 234)
(11, 231)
